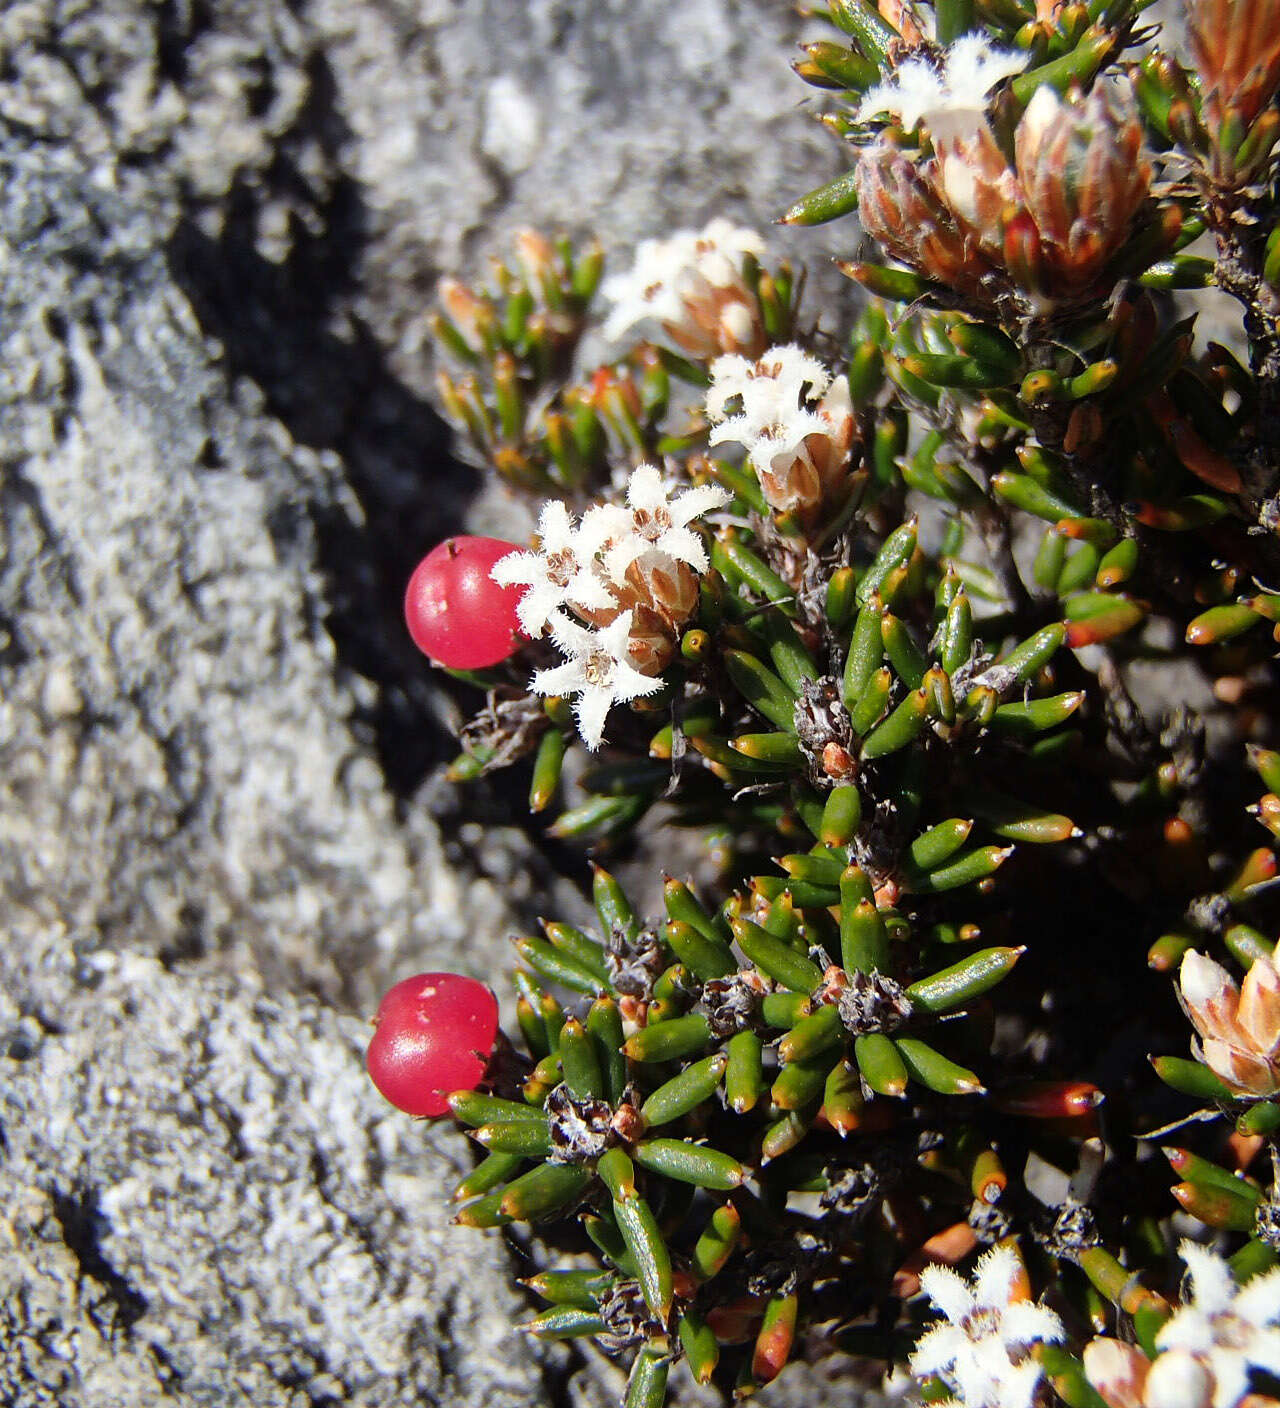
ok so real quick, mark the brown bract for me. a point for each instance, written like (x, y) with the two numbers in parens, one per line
(1236, 44)
(902, 209)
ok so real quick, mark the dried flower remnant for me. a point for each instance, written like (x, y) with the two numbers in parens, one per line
(581, 1126)
(982, 1349)
(873, 1002)
(794, 420)
(732, 1004)
(1239, 1027)
(693, 288)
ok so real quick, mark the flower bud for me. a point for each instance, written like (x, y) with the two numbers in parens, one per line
(900, 207)
(662, 585)
(1082, 176)
(1236, 44)
(472, 315)
(1117, 1370)
(975, 181)
(694, 287)
(536, 258)
(1239, 1027)
(650, 643)
(1178, 1379)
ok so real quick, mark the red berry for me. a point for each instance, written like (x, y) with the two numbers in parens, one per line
(435, 1035)
(456, 614)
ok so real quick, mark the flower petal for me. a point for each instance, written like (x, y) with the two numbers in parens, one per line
(645, 488)
(1019, 1387)
(685, 546)
(560, 679)
(621, 555)
(694, 502)
(591, 710)
(1259, 1301)
(937, 1349)
(518, 569)
(537, 606)
(994, 1276)
(1178, 1380)
(587, 590)
(555, 527)
(601, 524)
(1213, 1286)
(1259, 1010)
(1189, 1328)
(948, 1290)
(1025, 1323)
(1229, 1368)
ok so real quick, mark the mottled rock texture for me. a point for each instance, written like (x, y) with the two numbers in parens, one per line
(220, 837)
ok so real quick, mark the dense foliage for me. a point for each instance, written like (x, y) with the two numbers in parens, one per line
(956, 643)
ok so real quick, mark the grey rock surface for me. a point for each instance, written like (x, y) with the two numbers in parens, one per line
(220, 832)
(202, 1205)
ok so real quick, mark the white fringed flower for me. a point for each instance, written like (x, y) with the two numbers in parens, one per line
(1239, 1027)
(562, 572)
(945, 98)
(598, 673)
(691, 286)
(794, 422)
(982, 1349)
(771, 389)
(653, 521)
(614, 590)
(1221, 1332)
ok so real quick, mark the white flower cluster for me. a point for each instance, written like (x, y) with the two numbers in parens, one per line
(692, 287)
(795, 422)
(611, 591)
(944, 97)
(1207, 1349)
(982, 1348)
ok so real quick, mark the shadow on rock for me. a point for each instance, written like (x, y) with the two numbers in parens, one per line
(289, 326)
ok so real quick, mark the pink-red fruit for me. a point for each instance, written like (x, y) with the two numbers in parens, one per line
(457, 615)
(435, 1035)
